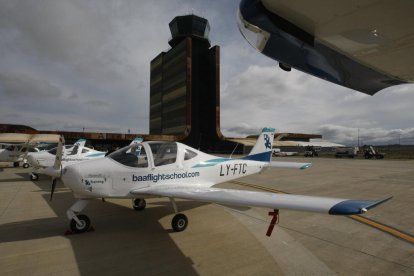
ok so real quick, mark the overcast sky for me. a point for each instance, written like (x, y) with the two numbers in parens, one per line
(69, 65)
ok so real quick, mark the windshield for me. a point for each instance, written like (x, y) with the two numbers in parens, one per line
(53, 151)
(10, 148)
(74, 150)
(164, 153)
(131, 156)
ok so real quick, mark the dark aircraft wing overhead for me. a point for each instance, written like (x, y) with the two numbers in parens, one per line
(365, 45)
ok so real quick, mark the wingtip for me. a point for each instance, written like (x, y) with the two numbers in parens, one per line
(355, 207)
(378, 202)
(306, 166)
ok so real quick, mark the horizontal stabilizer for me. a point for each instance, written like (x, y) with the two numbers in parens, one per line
(290, 165)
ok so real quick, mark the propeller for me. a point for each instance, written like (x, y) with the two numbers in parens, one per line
(57, 165)
(54, 180)
(53, 188)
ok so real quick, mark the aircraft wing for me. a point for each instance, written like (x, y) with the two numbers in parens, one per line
(44, 138)
(332, 206)
(14, 138)
(363, 45)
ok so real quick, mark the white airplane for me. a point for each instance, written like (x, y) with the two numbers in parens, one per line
(15, 153)
(71, 154)
(18, 145)
(279, 152)
(174, 170)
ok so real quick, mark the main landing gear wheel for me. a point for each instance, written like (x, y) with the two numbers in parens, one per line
(139, 204)
(84, 225)
(26, 165)
(34, 176)
(16, 164)
(179, 222)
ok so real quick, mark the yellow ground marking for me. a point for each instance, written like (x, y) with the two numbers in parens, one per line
(380, 226)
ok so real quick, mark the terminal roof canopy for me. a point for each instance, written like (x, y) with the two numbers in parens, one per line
(28, 138)
(365, 45)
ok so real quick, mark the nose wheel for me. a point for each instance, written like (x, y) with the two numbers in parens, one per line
(80, 224)
(34, 176)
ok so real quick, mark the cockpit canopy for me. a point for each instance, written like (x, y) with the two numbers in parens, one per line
(19, 148)
(68, 148)
(162, 153)
(132, 156)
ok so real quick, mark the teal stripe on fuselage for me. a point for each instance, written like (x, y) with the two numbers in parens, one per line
(211, 162)
(96, 154)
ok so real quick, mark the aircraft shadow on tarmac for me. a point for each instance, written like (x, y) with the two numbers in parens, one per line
(21, 177)
(124, 240)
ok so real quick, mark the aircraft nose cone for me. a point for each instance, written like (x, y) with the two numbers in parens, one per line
(72, 177)
(32, 161)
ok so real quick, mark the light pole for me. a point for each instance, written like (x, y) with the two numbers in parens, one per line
(358, 137)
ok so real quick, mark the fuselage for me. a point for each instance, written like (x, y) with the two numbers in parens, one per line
(13, 153)
(72, 154)
(153, 163)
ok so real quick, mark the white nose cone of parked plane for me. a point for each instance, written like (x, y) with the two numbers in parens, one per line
(32, 160)
(74, 176)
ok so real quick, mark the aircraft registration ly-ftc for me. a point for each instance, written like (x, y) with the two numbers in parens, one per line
(174, 170)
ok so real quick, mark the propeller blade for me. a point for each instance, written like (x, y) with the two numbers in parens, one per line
(53, 188)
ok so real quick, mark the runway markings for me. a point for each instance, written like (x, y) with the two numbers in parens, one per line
(385, 228)
(375, 224)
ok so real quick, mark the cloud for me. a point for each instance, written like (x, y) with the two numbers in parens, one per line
(350, 136)
(74, 64)
(242, 130)
(25, 86)
(296, 102)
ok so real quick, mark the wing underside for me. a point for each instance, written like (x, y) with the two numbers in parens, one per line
(333, 206)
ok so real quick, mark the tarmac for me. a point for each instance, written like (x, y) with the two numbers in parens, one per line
(220, 240)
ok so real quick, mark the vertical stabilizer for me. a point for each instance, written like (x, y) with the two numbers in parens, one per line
(262, 150)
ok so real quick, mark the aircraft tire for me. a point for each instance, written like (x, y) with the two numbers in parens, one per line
(86, 223)
(16, 164)
(26, 165)
(179, 222)
(34, 176)
(139, 204)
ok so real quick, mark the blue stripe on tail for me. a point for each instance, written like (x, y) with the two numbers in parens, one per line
(262, 157)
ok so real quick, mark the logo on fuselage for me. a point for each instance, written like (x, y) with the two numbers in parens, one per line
(164, 176)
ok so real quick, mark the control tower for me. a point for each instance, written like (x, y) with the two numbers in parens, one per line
(185, 87)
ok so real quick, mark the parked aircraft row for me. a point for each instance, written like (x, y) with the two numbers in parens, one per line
(14, 147)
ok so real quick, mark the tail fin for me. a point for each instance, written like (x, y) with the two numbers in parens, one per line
(80, 142)
(137, 141)
(262, 150)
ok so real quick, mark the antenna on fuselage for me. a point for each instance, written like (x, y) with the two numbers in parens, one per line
(233, 150)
